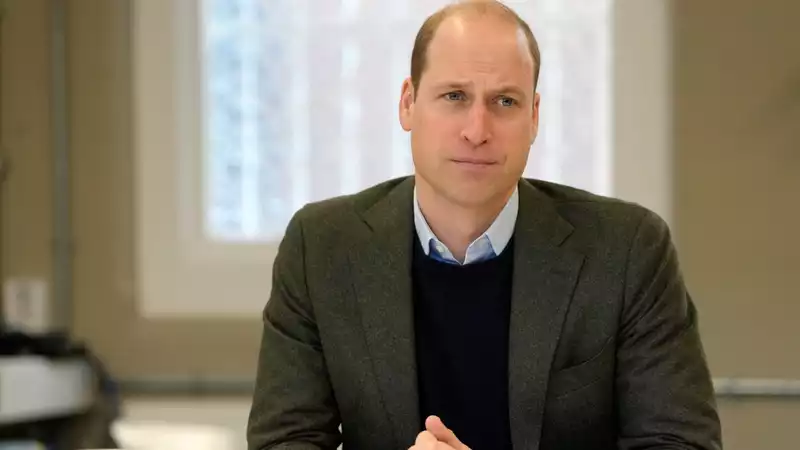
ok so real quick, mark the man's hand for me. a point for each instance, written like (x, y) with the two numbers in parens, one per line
(437, 437)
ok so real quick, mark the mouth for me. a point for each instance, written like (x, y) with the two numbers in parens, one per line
(476, 162)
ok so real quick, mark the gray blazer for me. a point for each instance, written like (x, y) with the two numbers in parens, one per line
(604, 348)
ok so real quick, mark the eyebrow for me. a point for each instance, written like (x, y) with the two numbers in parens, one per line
(460, 86)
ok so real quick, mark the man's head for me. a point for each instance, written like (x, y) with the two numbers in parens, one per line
(419, 54)
(471, 103)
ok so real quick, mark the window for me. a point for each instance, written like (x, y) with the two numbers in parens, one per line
(247, 109)
(300, 102)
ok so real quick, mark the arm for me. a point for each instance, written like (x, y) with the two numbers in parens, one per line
(293, 403)
(664, 390)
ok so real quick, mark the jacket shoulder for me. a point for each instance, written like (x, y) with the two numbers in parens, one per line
(596, 214)
(340, 209)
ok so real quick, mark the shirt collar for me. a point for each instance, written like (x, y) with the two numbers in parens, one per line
(498, 234)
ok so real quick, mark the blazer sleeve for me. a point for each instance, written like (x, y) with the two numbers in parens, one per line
(293, 403)
(664, 389)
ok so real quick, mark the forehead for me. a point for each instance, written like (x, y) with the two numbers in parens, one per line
(474, 45)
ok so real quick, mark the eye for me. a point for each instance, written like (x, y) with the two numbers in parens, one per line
(454, 96)
(506, 102)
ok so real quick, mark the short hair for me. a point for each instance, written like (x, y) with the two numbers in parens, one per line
(428, 30)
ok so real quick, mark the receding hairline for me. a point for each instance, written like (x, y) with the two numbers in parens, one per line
(494, 9)
(482, 7)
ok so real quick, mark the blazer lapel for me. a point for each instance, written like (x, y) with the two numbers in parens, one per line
(381, 267)
(545, 275)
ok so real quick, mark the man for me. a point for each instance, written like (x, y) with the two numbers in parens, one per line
(466, 307)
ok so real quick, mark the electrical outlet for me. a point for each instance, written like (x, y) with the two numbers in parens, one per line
(26, 306)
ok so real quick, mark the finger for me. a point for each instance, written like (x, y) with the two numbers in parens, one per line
(437, 446)
(432, 446)
(426, 440)
(443, 434)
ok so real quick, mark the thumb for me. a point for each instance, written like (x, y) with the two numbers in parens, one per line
(436, 427)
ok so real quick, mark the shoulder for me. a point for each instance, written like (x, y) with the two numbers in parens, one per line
(339, 211)
(596, 217)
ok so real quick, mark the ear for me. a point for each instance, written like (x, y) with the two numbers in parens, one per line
(406, 104)
(535, 117)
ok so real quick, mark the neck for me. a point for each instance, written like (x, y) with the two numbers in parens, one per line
(457, 225)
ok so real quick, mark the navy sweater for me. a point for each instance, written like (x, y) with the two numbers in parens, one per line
(461, 319)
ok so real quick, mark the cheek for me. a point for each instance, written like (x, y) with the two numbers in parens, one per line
(516, 138)
(434, 131)
(439, 117)
(423, 150)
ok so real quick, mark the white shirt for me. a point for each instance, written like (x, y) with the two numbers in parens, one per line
(490, 244)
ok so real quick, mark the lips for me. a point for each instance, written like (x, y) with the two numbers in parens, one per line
(474, 161)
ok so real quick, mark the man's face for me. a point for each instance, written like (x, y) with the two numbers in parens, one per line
(475, 113)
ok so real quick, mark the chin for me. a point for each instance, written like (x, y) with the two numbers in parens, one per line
(471, 196)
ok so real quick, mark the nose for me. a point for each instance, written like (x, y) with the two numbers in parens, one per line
(477, 130)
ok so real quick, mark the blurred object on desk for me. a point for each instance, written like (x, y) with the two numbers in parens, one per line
(54, 391)
(22, 445)
(36, 388)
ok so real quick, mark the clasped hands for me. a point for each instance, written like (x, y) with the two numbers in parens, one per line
(437, 436)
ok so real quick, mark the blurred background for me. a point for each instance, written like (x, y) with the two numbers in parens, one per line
(154, 150)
